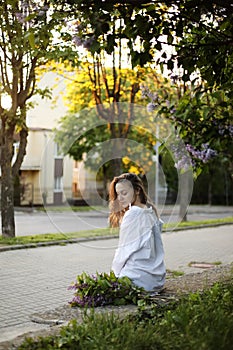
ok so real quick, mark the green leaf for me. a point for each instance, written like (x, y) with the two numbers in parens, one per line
(30, 37)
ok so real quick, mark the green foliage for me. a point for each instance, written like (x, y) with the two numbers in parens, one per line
(104, 24)
(206, 116)
(199, 321)
(104, 289)
(201, 33)
(203, 120)
(205, 46)
(202, 321)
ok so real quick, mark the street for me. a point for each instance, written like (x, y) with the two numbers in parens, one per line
(37, 222)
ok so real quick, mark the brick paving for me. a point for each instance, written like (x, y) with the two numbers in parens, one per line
(36, 280)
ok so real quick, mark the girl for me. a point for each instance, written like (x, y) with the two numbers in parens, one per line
(140, 254)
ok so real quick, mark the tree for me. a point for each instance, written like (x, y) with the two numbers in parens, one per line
(202, 121)
(200, 39)
(83, 135)
(26, 36)
(199, 36)
(111, 32)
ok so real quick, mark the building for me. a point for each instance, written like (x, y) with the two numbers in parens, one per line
(45, 175)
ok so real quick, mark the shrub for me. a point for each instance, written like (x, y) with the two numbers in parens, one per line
(197, 322)
(201, 322)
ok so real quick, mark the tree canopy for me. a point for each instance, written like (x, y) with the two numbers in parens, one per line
(193, 39)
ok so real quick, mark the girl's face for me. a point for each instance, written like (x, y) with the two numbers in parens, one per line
(125, 193)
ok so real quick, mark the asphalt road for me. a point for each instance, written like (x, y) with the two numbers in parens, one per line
(36, 222)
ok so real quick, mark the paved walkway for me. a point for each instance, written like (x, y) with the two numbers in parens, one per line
(36, 280)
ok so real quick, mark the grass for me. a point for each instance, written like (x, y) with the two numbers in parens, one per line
(174, 273)
(200, 321)
(199, 223)
(51, 237)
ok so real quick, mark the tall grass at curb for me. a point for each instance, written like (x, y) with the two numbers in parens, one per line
(198, 322)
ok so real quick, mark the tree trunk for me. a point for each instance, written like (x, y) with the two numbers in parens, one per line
(105, 181)
(7, 188)
(185, 193)
(210, 192)
(118, 151)
(210, 188)
(116, 165)
(10, 171)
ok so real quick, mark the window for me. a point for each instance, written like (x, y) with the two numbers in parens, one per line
(57, 151)
(58, 184)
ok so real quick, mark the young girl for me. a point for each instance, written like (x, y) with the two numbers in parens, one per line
(140, 254)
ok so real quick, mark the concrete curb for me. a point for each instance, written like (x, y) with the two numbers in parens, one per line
(95, 238)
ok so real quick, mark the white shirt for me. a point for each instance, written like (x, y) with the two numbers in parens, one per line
(140, 254)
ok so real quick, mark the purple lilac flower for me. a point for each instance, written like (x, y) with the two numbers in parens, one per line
(230, 129)
(183, 163)
(87, 300)
(181, 156)
(223, 128)
(146, 93)
(41, 12)
(204, 154)
(73, 286)
(88, 42)
(153, 96)
(115, 285)
(173, 110)
(25, 5)
(94, 277)
(20, 17)
(30, 8)
(151, 107)
(77, 40)
(100, 300)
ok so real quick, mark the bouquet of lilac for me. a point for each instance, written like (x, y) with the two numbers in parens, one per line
(103, 289)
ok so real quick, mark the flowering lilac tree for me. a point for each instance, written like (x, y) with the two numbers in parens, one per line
(204, 125)
(203, 128)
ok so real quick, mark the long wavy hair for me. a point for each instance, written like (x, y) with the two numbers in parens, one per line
(116, 213)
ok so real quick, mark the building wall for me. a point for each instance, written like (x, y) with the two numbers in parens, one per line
(38, 172)
(39, 166)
